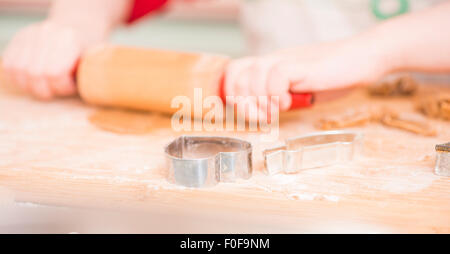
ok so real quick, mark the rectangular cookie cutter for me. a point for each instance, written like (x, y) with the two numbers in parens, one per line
(442, 167)
(203, 161)
(312, 151)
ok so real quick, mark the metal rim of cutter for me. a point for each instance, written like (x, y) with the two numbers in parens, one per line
(204, 161)
(313, 150)
(442, 167)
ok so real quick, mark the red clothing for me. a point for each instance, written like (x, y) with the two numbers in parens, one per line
(142, 7)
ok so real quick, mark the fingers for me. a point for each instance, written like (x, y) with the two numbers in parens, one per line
(16, 62)
(258, 84)
(247, 105)
(39, 87)
(40, 60)
(278, 84)
(259, 74)
(33, 66)
(263, 78)
(59, 69)
(63, 86)
(233, 81)
(308, 85)
(237, 85)
(325, 75)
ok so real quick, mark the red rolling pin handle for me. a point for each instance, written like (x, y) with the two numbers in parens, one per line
(299, 100)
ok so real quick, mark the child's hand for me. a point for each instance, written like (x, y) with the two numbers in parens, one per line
(41, 59)
(314, 69)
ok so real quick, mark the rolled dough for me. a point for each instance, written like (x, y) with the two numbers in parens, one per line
(128, 122)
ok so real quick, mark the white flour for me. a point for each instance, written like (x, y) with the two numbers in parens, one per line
(312, 196)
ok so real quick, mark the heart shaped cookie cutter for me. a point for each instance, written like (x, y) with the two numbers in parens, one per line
(203, 161)
(312, 151)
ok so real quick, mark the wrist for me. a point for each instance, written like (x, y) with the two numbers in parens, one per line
(378, 52)
(388, 42)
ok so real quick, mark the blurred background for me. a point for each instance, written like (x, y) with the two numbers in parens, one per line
(232, 27)
(185, 25)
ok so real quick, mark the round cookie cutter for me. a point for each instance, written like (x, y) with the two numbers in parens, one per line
(203, 161)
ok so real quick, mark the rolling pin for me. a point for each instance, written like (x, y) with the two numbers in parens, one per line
(148, 79)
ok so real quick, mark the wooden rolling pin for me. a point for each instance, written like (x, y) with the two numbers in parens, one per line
(148, 79)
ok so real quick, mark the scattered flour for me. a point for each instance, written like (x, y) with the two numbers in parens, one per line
(142, 170)
(288, 186)
(114, 179)
(153, 187)
(156, 187)
(312, 196)
(302, 196)
(332, 198)
(283, 179)
(28, 204)
(409, 184)
(401, 179)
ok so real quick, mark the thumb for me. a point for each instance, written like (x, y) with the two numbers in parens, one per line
(296, 74)
(303, 86)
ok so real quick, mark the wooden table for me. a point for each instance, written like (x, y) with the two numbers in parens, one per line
(50, 154)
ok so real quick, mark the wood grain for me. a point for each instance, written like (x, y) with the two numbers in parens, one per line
(51, 154)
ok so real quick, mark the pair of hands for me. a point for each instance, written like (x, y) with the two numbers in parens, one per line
(41, 59)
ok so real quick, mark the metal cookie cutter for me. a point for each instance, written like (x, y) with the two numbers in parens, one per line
(442, 167)
(312, 151)
(199, 161)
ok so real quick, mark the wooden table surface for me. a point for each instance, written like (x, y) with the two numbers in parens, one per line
(50, 154)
